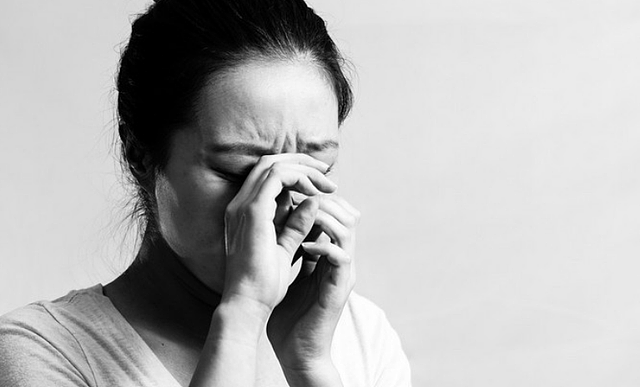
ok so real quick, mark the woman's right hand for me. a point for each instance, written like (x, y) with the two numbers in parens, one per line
(258, 257)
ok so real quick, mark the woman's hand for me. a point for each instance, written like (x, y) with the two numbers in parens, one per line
(258, 263)
(301, 327)
(263, 235)
(258, 259)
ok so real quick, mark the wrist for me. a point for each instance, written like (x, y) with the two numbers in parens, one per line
(240, 320)
(319, 374)
(251, 306)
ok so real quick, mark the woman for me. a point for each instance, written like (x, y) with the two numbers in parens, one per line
(228, 117)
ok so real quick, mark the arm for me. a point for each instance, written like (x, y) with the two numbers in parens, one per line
(393, 366)
(229, 355)
(302, 326)
(257, 264)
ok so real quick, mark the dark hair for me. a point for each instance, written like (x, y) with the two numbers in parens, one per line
(176, 46)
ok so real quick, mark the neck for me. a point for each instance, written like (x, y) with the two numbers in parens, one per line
(159, 291)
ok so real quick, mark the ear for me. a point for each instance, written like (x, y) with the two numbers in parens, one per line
(140, 165)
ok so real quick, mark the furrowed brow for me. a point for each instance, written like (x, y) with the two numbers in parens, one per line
(310, 147)
(258, 150)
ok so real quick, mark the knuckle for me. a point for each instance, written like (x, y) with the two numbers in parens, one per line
(277, 165)
(347, 259)
(275, 172)
(316, 174)
(231, 210)
(267, 159)
(351, 221)
(299, 225)
(298, 232)
(308, 185)
(288, 239)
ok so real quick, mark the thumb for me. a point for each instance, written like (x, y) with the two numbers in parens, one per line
(298, 225)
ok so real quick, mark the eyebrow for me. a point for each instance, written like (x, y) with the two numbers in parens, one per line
(317, 146)
(258, 150)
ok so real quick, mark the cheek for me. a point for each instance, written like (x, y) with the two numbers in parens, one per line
(191, 213)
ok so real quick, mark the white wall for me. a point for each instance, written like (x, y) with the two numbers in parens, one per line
(59, 197)
(494, 151)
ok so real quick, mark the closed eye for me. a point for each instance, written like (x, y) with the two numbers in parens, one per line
(236, 178)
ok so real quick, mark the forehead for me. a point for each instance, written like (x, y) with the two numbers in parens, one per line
(276, 105)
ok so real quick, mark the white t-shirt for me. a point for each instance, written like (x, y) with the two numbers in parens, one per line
(82, 340)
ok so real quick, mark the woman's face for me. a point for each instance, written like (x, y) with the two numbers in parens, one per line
(253, 110)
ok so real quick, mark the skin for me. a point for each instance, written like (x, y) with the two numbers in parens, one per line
(245, 184)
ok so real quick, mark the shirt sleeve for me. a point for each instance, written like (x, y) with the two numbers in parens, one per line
(393, 368)
(35, 350)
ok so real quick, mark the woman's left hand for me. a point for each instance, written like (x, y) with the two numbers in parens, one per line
(301, 327)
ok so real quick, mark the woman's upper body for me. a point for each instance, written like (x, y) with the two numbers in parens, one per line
(229, 116)
(83, 340)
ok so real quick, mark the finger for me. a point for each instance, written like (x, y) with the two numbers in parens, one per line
(319, 179)
(309, 182)
(313, 236)
(354, 211)
(338, 258)
(340, 209)
(308, 266)
(298, 226)
(338, 232)
(266, 162)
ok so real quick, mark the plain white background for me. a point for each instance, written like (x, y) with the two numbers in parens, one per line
(494, 151)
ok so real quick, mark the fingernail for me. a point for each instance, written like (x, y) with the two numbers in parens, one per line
(306, 245)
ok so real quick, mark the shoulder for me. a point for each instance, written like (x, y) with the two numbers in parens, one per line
(32, 313)
(365, 339)
(367, 320)
(37, 344)
(364, 316)
(360, 306)
(43, 318)
(49, 319)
